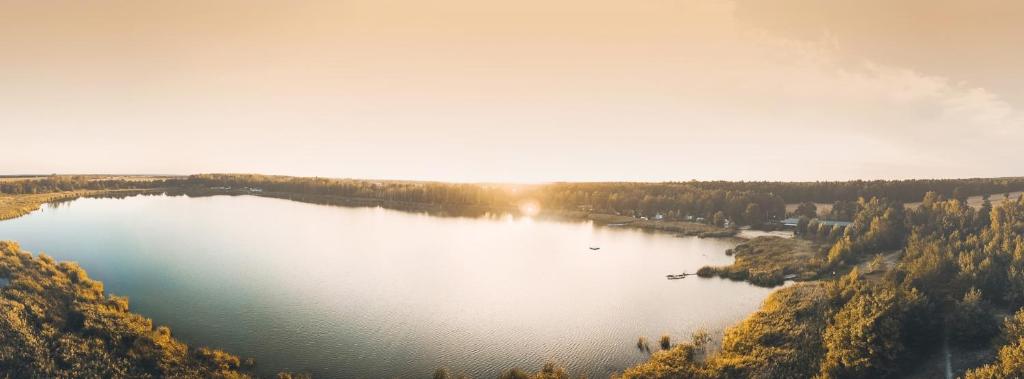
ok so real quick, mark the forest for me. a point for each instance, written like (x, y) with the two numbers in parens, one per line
(745, 203)
(957, 284)
(896, 190)
(895, 288)
(60, 183)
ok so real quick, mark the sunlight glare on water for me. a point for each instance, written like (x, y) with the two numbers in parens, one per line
(369, 292)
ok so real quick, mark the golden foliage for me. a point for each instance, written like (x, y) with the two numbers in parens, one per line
(56, 322)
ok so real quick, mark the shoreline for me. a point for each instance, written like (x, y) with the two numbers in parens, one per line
(683, 228)
(33, 202)
(164, 191)
(14, 206)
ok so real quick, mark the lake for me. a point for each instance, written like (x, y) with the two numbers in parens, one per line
(370, 292)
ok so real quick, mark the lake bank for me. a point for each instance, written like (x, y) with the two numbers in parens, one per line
(14, 206)
(57, 322)
(685, 228)
(770, 261)
(384, 285)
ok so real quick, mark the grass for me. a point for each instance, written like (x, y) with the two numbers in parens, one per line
(766, 261)
(12, 206)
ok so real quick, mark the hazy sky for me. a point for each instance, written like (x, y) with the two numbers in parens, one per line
(527, 90)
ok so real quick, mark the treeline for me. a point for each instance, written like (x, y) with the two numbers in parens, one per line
(895, 190)
(676, 201)
(58, 183)
(435, 193)
(671, 201)
(957, 268)
(717, 202)
(745, 203)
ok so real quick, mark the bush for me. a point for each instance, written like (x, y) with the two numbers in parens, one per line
(643, 345)
(442, 373)
(56, 322)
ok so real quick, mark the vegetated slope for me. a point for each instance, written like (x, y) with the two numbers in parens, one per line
(781, 340)
(959, 268)
(55, 322)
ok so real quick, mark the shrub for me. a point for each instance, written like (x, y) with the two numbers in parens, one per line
(643, 345)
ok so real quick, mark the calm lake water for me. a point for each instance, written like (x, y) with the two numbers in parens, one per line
(369, 292)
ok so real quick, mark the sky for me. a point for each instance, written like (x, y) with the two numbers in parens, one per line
(515, 91)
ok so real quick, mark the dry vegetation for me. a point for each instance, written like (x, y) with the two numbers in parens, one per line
(13, 206)
(766, 261)
(922, 285)
(56, 322)
(781, 340)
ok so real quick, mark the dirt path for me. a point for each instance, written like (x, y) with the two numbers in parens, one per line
(947, 355)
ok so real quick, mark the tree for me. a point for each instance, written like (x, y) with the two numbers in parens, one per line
(1010, 359)
(806, 209)
(801, 226)
(984, 213)
(865, 337)
(971, 322)
(718, 219)
(843, 211)
(753, 214)
(959, 194)
(840, 252)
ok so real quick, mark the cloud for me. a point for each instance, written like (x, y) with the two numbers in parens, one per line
(967, 41)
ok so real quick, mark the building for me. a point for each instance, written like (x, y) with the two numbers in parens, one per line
(834, 223)
(792, 222)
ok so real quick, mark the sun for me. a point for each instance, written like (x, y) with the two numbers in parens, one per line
(529, 208)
